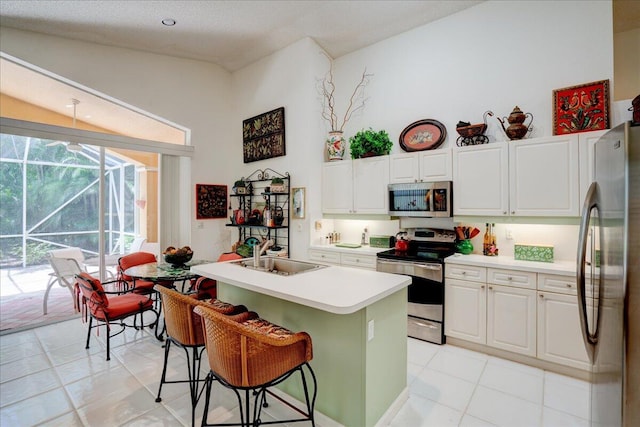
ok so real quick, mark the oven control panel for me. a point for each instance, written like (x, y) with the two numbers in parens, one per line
(432, 235)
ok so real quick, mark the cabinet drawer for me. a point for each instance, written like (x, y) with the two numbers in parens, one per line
(322, 256)
(556, 283)
(466, 272)
(362, 261)
(519, 279)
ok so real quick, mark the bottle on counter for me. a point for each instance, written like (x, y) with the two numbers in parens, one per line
(486, 240)
(493, 248)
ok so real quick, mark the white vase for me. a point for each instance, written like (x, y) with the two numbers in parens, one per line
(335, 145)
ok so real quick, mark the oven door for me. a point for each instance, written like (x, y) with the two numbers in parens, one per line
(426, 297)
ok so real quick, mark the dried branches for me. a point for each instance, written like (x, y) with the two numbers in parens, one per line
(327, 89)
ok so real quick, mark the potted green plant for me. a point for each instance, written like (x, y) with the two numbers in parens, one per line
(368, 143)
(277, 185)
(240, 187)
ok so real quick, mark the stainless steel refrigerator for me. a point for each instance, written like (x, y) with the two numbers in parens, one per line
(608, 278)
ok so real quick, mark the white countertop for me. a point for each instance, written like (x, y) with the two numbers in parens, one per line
(339, 290)
(558, 267)
(364, 250)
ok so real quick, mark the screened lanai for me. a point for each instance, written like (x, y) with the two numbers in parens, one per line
(49, 200)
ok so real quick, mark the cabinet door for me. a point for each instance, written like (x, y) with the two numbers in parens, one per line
(511, 319)
(544, 177)
(587, 142)
(370, 181)
(324, 256)
(435, 165)
(481, 180)
(403, 168)
(337, 187)
(559, 334)
(358, 260)
(465, 312)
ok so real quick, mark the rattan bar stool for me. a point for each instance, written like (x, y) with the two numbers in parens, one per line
(184, 329)
(252, 356)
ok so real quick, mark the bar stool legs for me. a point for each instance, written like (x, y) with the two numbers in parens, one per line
(194, 359)
(259, 399)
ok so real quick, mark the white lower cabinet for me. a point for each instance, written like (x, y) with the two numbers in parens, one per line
(486, 313)
(465, 314)
(511, 319)
(349, 260)
(534, 314)
(559, 334)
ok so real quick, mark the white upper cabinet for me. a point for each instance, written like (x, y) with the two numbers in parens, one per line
(531, 177)
(356, 186)
(337, 187)
(544, 176)
(423, 166)
(481, 180)
(587, 142)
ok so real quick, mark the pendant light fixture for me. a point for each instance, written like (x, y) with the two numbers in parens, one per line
(71, 146)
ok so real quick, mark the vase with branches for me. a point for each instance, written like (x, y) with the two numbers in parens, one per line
(327, 87)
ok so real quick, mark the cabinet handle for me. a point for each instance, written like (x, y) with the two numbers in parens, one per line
(504, 212)
(490, 288)
(482, 287)
(463, 273)
(568, 285)
(541, 295)
(513, 212)
(509, 278)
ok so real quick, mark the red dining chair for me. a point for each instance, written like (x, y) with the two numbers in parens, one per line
(131, 260)
(109, 310)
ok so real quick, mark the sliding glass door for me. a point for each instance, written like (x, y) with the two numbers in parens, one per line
(50, 198)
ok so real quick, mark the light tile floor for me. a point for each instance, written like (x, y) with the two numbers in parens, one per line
(47, 378)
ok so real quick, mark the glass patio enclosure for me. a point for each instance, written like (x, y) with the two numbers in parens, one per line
(49, 199)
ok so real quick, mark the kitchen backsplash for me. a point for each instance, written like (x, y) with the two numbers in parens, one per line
(563, 238)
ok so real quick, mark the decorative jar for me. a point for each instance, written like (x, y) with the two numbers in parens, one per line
(335, 145)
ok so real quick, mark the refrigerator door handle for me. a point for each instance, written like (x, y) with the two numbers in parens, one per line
(590, 339)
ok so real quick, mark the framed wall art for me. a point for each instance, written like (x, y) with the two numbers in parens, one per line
(298, 203)
(422, 135)
(211, 201)
(581, 108)
(263, 136)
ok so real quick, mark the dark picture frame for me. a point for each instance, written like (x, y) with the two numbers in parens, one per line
(211, 201)
(581, 108)
(263, 136)
(423, 135)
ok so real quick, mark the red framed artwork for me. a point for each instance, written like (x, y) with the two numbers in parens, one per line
(581, 108)
(211, 201)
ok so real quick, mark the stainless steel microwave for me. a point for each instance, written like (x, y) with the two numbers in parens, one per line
(421, 199)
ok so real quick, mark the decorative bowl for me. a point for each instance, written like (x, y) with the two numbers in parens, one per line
(177, 256)
(177, 259)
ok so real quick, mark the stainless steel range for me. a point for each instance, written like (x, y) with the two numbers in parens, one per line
(424, 262)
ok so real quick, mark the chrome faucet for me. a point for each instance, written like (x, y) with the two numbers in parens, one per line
(258, 250)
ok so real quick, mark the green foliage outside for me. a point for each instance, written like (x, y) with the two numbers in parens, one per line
(62, 196)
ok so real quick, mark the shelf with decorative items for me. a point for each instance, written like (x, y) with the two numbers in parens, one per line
(259, 209)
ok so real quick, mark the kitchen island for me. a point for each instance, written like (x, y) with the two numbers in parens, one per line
(357, 321)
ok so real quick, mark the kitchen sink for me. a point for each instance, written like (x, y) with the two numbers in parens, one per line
(281, 266)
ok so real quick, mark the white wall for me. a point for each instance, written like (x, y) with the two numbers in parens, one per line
(493, 56)
(285, 79)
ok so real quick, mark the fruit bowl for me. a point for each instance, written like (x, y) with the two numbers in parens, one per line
(177, 257)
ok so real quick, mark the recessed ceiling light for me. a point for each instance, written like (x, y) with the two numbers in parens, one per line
(169, 22)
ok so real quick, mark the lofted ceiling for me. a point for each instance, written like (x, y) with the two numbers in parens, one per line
(232, 34)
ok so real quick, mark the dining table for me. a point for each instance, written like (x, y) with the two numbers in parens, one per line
(166, 275)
